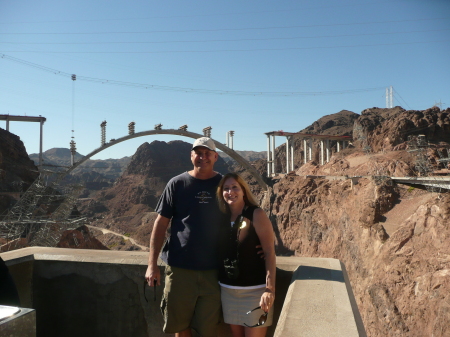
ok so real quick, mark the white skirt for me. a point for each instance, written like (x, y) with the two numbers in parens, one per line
(237, 302)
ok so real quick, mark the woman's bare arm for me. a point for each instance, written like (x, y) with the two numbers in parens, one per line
(266, 236)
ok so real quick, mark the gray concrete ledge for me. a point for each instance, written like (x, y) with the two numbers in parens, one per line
(105, 291)
(319, 301)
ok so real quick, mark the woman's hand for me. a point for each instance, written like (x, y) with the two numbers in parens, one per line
(267, 300)
(260, 252)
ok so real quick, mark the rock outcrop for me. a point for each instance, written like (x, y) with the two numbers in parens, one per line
(17, 171)
(80, 238)
(401, 281)
(383, 129)
(95, 174)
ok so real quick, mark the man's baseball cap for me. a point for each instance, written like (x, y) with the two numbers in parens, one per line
(205, 142)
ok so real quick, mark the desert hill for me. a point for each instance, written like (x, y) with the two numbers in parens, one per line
(393, 239)
(247, 155)
(95, 174)
(17, 171)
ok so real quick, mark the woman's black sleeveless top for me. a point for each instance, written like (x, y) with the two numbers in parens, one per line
(252, 270)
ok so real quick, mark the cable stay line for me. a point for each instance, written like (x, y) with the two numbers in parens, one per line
(231, 29)
(227, 50)
(226, 40)
(189, 90)
(396, 92)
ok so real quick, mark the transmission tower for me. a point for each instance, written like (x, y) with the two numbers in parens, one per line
(418, 145)
(28, 218)
(362, 137)
(389, 97)
(424, 168)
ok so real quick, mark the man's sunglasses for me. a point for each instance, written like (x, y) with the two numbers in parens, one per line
(154, 293)
(261, 320)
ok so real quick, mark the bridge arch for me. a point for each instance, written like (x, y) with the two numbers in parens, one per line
(189, 134)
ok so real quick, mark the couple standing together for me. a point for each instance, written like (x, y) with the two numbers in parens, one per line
(212, 254)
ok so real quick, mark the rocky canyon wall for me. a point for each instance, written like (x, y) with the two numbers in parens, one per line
(401, 282)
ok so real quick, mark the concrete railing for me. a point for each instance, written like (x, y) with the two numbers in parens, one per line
(101, 293)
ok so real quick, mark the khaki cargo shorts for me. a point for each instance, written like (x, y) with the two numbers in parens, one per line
(191, 299)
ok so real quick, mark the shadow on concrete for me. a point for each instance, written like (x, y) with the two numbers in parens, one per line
(283, 281)
(317, 273)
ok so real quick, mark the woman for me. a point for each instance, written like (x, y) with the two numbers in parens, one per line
(247, 281)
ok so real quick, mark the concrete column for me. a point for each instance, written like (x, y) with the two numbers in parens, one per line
(41, 141)
(273, 155)
(7, 125)
(310, 148)
(321, 152)
(344, 143)
(292, 157)
(305, 151)
(231, 141)
(328, 150)
(287, 154)
(338, 146)
(269, 173)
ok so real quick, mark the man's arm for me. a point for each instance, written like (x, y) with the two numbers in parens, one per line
(156, 242)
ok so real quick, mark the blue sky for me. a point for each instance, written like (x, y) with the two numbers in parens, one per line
(248, 66)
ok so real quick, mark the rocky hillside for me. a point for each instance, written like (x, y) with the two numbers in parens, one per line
(57, 157)
(384, 129)
(248, 155)
(393, 239)
(95, 174)
(17, 171)
(375, 130)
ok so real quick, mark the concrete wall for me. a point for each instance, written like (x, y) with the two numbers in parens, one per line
(101, 293)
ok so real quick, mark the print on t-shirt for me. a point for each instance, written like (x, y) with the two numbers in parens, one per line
(204, 197)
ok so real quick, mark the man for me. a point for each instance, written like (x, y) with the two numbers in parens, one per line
(192, 295)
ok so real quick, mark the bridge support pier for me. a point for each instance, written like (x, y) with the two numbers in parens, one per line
(289, 154)
(273, 155)
(292, 155)
(40, 119)
(41, 140)
(310, 148)
(321, 152)
(305, 151)
(269, 158)
(328, 150)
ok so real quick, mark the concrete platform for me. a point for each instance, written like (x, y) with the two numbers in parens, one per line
(15, 321)
(101, 293)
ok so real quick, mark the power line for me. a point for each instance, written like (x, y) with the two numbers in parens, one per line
(224, 40)
(223, 50)
(187, 90)
(231, 29)
(396, 92)
(209, 15)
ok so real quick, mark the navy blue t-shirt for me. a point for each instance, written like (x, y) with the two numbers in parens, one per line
(191, 204)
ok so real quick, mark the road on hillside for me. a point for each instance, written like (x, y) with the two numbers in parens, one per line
(106, 231)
